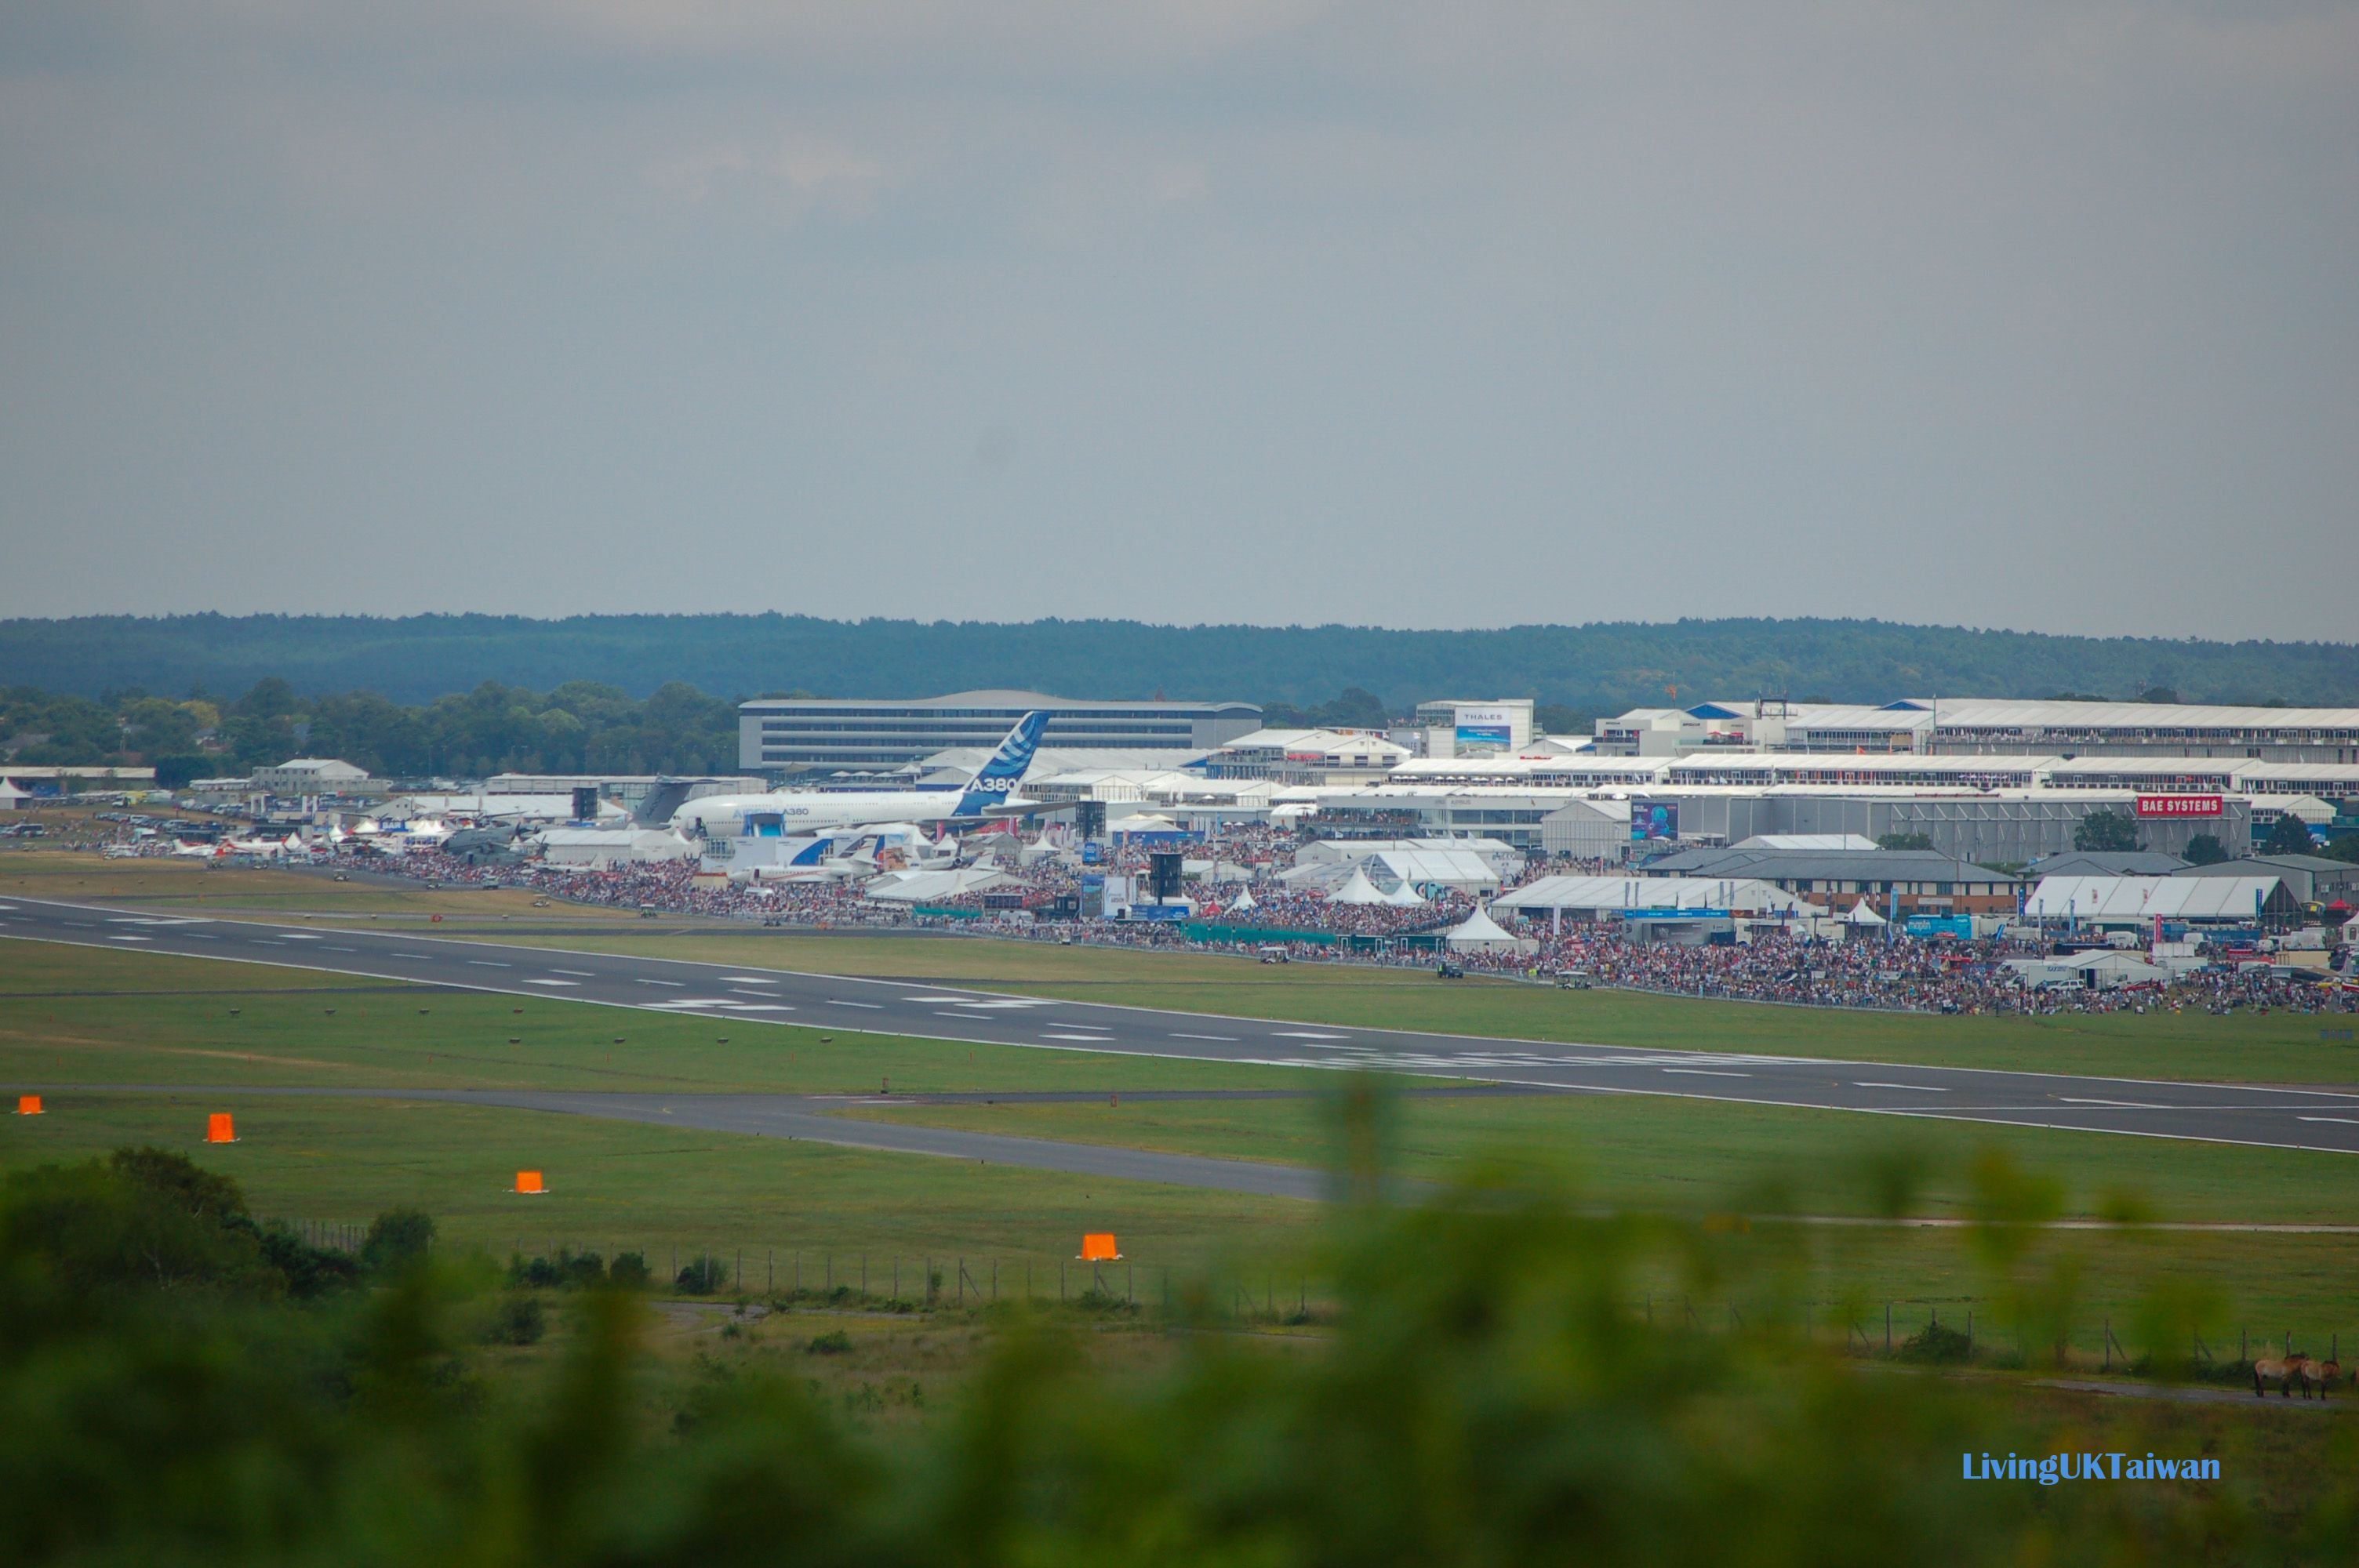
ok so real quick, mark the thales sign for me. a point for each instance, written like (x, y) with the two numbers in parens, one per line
(1486, 727)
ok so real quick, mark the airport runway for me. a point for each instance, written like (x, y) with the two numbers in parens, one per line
(742, 995)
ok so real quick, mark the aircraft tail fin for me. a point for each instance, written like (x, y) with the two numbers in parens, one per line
(1000, 777)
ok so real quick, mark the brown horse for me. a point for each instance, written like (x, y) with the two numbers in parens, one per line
(2285, 1371)
(2329, 1372)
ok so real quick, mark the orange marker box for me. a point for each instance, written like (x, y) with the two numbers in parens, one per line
(1097, 1247)
(29, 1105)
(530, 1181)
(219, 1129)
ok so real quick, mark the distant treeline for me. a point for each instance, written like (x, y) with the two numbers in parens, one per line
(1600, 668)
(581, 726)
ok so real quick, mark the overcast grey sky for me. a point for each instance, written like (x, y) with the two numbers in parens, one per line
(2038, 315)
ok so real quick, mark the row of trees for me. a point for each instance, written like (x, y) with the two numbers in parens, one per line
(578, 727)
(1600, 668)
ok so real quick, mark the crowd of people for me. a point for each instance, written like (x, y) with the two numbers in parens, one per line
(1043, 884)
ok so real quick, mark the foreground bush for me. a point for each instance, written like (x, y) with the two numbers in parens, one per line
(1487, 1395)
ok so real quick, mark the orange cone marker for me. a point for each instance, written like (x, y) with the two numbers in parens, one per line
(29, 1105)
(530, 1181)
(219, 1129)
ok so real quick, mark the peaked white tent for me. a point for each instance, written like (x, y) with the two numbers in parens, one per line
(1862, 915)
(2097, 971)
(1404, 896)
(1357, 890)
(1478, 932)
(1244, 901)
(930, 887)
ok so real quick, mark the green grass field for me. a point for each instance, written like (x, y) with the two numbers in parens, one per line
(1694, 1156)
(71, 1015)
(625, 1186)
(85, 1015)
(2279, 1048)
(834, 1213)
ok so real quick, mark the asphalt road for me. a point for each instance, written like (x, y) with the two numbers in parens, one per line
(2261, 1115)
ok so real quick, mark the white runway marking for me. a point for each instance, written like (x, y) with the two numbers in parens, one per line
(717, 1004)
(1921, 1089)
(552, 982)
(1084, 1039)
(750, 980)
(489, 963)
(1305, 1034)
(2344, 1120)
(2116, 1104)
(1230, 1039)
(1000, 1003)
(126, 937)
(871, 1006)
(676, 985)
(582, 973)
(1706, 1073)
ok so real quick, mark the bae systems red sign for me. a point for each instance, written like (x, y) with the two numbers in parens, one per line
(2179, 805)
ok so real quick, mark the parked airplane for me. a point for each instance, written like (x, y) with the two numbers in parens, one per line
(782, 813)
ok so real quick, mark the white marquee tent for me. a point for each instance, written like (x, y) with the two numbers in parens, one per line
(1653, 895)
(2131, 900)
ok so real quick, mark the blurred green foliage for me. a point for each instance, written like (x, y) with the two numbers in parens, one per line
(1487, 1395)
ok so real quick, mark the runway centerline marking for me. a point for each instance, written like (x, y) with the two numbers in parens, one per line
(871, 1006)
(2115, 1104)
(1920, 1089)
(1226, 1039)
(676, 985)
(582, 973)
(2344, 1120)
(1707, 1073)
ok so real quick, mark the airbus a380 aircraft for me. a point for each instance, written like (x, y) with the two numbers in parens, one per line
(792, 813)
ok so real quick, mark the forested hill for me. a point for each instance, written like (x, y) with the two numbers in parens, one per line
(1595, 668)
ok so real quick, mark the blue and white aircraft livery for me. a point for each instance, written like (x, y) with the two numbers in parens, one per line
(786, 813)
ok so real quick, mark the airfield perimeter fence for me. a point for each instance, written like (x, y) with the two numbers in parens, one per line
(1957, 1330)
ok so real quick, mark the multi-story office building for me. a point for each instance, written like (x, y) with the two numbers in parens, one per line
(807, 735)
